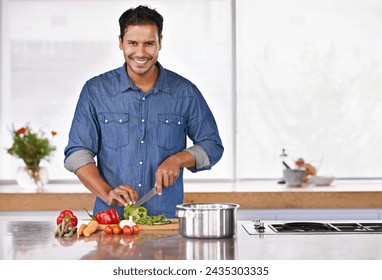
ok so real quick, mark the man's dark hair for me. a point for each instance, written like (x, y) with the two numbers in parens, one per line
(139, 16)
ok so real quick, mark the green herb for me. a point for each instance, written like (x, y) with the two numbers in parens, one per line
(139, 216)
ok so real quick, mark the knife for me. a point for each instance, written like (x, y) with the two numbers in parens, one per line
(146, 197)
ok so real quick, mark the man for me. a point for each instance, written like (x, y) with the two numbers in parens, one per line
(135, 120)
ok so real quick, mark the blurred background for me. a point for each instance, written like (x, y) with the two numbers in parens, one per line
(299, 75)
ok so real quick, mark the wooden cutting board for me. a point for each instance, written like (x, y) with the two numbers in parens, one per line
(174, 225)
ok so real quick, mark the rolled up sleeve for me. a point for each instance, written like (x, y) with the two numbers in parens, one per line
(201, 157)
(78, 159)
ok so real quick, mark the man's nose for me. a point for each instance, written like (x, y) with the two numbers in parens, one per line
(140, 50)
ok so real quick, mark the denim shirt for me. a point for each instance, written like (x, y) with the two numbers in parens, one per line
(130, 133)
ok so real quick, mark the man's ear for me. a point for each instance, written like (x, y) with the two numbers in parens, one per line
(120, 42)
(160, 42)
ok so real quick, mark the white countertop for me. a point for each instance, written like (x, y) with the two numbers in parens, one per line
(34, 240)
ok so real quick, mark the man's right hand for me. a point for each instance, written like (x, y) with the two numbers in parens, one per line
(123, 195)
(92, 180)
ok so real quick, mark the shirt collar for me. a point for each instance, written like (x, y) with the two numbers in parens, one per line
(161, 85)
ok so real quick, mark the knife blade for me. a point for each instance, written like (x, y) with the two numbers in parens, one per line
(146, 197)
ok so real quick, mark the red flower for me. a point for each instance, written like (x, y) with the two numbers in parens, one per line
(21, 130)
(54, 133)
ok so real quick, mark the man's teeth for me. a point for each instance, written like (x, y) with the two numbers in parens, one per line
(140, 61)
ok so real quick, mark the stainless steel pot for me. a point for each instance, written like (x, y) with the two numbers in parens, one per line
(208, 249)
(207, 220)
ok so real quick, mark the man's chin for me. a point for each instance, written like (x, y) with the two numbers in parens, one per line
(139, 70)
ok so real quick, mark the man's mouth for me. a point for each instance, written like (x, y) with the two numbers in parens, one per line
(140, 61)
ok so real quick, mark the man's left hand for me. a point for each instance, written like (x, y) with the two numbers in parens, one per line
(168, 171)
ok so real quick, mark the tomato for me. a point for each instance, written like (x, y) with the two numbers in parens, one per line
(127, 230)
(135, 229)
(117, 229)
(108, 230)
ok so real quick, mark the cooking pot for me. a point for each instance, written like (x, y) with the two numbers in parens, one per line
(207, 220)
(208, 249)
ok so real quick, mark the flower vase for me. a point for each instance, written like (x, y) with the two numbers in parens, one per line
(32, 177)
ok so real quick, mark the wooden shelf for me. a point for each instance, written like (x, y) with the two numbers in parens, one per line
(250, 195)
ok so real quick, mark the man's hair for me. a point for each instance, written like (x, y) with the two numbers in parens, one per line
(140, 15)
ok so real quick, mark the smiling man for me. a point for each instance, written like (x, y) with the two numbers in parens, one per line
(140, 45)
(135, 121)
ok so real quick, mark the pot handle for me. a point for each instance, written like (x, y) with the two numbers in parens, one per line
(180, 213)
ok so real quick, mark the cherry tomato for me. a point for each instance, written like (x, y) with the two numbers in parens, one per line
(127, 230)
(108, 230)
(117, 229)
(135, 229)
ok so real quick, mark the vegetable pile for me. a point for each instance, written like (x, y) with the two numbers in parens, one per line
(132, 216)
(139, 215)
(67, 223)
(122, 229)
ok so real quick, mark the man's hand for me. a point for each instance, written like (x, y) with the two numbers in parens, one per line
(123, 195)
(168, 171)
(91, 179)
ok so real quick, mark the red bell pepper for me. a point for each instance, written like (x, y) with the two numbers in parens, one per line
(68, 216)
(106, 217)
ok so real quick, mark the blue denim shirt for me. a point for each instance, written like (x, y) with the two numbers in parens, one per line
(130, 133)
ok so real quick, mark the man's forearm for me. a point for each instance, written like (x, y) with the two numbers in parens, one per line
(185, 159)
(92, 180)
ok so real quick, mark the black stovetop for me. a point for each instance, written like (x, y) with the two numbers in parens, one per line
(307, 227)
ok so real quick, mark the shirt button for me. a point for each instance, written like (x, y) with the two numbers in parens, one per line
(166, 121)
(142, 141)
(106, 120)
(139, 185)
(120, 120)
(141, 162)
(143, 120)
(178, 122)
(143, 98)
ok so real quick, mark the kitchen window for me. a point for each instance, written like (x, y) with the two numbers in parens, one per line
(50, 48)
(301, 75)
(309, 79)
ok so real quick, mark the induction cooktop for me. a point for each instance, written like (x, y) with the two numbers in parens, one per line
(257, 227)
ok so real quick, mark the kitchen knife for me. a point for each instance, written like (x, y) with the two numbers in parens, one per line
(146, 197)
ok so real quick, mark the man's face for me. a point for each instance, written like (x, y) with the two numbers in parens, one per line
(140, 47)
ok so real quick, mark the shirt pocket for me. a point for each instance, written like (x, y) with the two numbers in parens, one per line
(171, 132)
(114, 129)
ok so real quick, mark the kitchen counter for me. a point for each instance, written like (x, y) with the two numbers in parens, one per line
(262, 194)
(34, 240)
